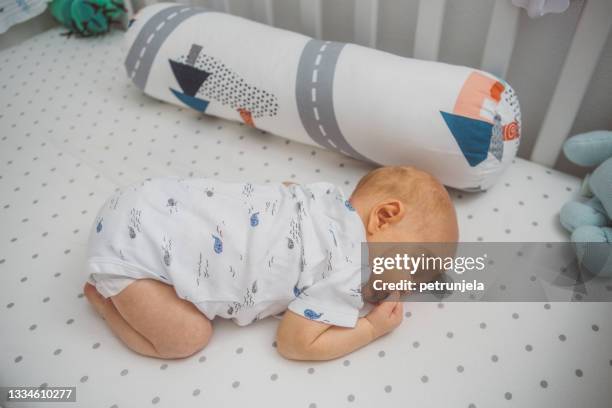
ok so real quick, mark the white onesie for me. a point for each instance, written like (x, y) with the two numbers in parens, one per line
(239, 251)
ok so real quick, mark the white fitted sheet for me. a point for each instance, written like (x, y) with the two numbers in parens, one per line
(72, 129)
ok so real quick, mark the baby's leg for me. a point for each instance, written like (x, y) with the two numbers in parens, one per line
(152, 320)
(118, 325)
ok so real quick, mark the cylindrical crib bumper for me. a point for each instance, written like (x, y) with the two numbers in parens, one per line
(458, 123)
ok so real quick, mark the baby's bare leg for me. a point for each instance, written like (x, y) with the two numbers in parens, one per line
(173, 327)
(118, 325)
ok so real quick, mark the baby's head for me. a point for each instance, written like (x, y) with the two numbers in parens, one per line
(404, 204)
(399, 204)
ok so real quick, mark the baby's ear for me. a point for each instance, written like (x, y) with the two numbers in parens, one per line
(392, 210)
(384, 214)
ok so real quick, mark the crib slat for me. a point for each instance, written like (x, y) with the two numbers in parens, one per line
(429, 29)
(310, 16)
(500, 38)
(220, 5)
(366, 22)
(582, 58)
(263, 11)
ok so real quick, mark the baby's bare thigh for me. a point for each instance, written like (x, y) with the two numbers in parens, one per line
(173, 325)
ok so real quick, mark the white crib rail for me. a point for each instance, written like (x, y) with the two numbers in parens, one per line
(580, 63)
(429, 29)
(500, 39)
(263, 11)
(311, 18)
(221, 5)
(365, 31)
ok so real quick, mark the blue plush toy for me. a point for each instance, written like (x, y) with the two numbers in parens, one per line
(589, 220)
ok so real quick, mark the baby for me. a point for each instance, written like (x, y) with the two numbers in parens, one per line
(168, 255)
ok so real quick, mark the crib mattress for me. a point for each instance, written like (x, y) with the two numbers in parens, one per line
(73, 129)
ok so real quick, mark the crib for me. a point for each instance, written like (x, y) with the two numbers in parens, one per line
(73, 129)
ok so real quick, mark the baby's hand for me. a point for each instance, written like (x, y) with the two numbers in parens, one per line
(385, 317)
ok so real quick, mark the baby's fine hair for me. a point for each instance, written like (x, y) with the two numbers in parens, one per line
(419, 191)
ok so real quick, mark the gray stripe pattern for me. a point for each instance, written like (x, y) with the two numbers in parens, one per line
(151, 37)
(314, 95)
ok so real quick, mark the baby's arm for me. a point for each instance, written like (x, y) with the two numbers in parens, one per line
(299, 338)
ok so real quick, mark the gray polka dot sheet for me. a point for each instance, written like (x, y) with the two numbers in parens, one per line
(73, 129)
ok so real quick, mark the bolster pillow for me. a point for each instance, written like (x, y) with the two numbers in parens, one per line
(460, 124)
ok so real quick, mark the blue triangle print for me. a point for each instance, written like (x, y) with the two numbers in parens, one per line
(473, 136)
(195, 103)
